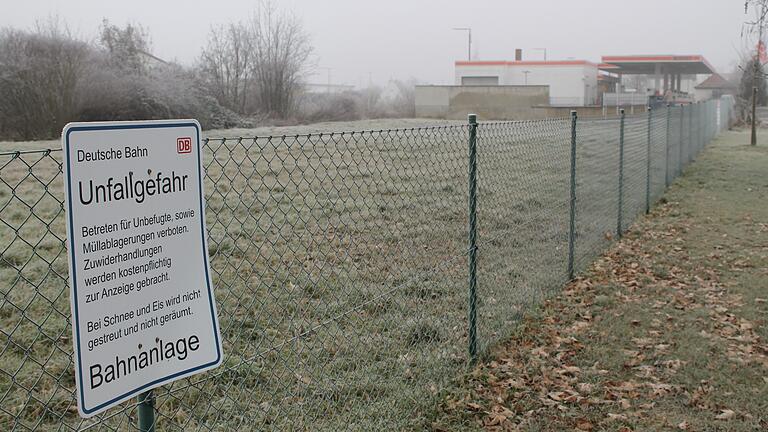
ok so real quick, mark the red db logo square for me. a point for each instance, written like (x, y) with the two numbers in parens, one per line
(184, 145)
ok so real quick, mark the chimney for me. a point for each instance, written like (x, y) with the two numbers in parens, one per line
(518, 54)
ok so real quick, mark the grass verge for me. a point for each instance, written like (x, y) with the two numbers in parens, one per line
(665, 332)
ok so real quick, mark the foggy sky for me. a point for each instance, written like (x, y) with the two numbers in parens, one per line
(413, 38)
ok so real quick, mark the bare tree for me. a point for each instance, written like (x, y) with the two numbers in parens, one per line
(281, 53)
(404, 99)
(225, 66)
(39, 76)
(128, 47)
(756, 26)
(258, 65)
(371, 101)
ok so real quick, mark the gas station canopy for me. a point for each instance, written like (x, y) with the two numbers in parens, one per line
(667, 70)
(656, 64)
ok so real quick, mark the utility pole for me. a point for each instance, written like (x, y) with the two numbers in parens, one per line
(469, 40)
(545, 52)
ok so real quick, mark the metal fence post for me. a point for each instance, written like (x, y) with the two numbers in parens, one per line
(572, 225)
(682, 134)
(711, 121)
(690, 136)
(666, 163)
(698, 131)
(648, 164)
(146, 413)
(705, 124)
(472, 237)
(621, 174)
(702, 125)
(694, 131)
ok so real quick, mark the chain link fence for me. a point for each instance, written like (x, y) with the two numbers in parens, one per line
(353, 280)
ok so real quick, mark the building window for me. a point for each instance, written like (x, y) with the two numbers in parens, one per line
(480, 80)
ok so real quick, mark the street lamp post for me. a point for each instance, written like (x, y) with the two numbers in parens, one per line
(469, 40)
(526, 72)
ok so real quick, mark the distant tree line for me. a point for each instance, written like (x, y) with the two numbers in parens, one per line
(248, 73)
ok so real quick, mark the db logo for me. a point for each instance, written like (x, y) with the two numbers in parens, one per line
(184, 145)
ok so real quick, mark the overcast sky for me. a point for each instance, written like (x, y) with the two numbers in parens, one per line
(383, 39)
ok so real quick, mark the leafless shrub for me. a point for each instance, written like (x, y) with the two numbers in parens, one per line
(397, 99)
(320, 107)
(402, 102)
(40, 72)
(49, 78)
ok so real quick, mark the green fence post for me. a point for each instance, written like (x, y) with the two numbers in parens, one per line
(704, 116)
(648, 164)
(146, 412)
(572, 225)
(698, 132)
(621, 174)
(694, 131)
(666, 163)
(705, 123)
(693, 139)
(690, 136)
(682, 134)
(473, 238)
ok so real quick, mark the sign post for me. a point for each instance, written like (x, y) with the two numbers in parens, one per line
(143, 310)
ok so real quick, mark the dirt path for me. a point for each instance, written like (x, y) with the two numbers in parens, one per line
(666, 332)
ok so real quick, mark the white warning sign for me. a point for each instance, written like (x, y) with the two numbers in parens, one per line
(143, 310)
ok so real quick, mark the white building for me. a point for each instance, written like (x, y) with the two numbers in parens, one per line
(571, 82)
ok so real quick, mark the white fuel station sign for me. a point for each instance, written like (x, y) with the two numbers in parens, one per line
(143, 310)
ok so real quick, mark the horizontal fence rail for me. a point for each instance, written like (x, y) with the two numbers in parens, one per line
(356, 273)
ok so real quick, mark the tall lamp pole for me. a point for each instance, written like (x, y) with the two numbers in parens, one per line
(526, 72)
(469, 40)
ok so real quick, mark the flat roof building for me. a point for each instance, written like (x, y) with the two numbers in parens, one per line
(571, 82)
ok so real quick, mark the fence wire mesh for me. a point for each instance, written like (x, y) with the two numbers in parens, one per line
(523, 188)
(340, 263)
